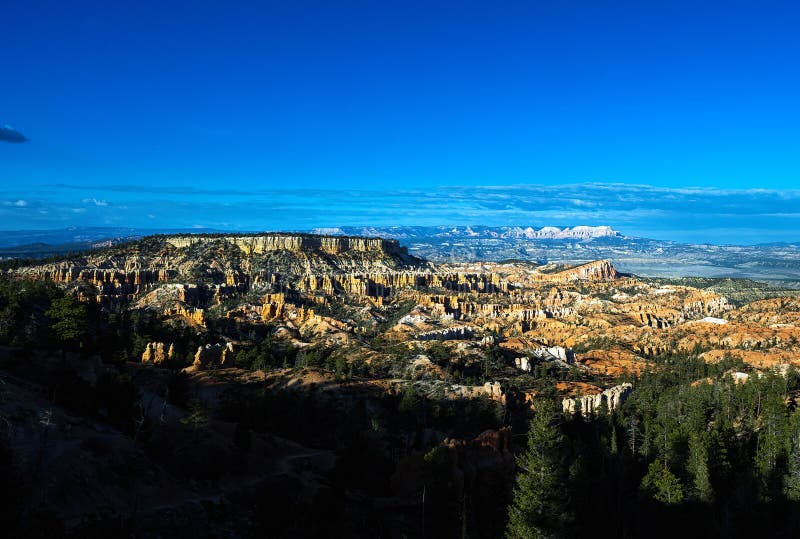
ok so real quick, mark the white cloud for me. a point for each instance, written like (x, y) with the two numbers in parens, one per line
(94, 201)
(634, 209)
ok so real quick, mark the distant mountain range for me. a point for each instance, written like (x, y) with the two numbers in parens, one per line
(775, 263)
(476, 232)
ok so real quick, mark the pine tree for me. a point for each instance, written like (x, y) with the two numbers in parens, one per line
(578, 410)
(70, 321)
(771, 435)
(613, 447)
(662, 483)
(539, 505)
(602, 409)
(633, 434)
(697, 466)
(791, 480)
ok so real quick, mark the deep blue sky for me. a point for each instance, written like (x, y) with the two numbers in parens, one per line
(183, 113)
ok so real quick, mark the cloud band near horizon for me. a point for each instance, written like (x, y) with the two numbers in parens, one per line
(697, 215)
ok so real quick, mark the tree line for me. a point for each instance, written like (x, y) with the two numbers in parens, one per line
(694, 450)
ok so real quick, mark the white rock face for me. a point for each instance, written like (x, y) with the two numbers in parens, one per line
(448, 334)
(712, 320)
(411, 320)
(522, 363)
(551, 232)
(740, 377)
(488, 341)
(489, 389)
(555, 353)
(589, 404)
(336, 231)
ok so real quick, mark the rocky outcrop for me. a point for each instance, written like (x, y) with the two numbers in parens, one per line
(116, 282)
(213, 355)
(190, 314)
(214, 268)
(522, 363)
(545, 353)
(458, 307)
(489, 389)
(273, 306)
(600, 270)
(382, 285)
(448, 334)
(590, 404)
(554, 353)
(157, 353)
(681, 305)
(488, 341)
(303, 315)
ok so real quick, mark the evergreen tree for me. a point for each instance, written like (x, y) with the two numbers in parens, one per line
(538, 508)
(602, 409)
(697, 466)
(791, 480)
(613, 446)
(633, 434)
(70, 321)
(662, 483)
(197, 417)
(771, 436)
(577, 413)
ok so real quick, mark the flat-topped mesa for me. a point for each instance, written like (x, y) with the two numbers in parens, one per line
(258, 244)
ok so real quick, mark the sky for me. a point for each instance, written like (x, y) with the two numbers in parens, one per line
(674, 120)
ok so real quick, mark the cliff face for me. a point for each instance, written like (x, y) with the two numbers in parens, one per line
(213, 355)
(338, 286)
(599, 270)
(252, 245)
(590, 404)
(210, 269)
(218, 267)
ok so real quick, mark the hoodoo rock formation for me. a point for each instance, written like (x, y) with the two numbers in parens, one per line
(590, 404)
(155, 353)
(206, 270)
(213, 355)
(600, 270)
(448, 334)
(337, 287)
